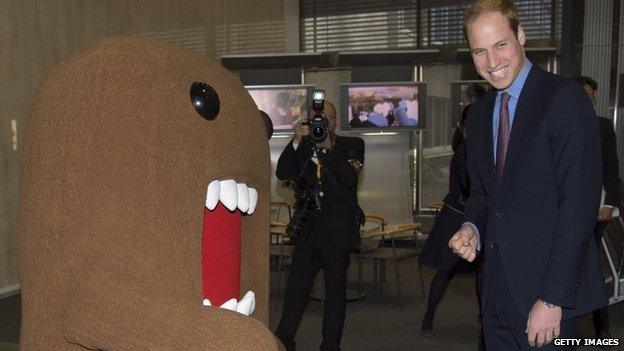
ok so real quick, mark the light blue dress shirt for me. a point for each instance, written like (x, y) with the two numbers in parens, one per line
(514, 91)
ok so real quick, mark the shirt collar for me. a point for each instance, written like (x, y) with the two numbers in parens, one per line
(516, 87)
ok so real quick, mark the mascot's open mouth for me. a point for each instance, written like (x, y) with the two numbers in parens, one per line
(226, 202)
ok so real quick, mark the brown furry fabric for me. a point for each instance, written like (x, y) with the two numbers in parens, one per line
(115, 168)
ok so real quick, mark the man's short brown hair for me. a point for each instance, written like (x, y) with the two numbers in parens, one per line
(481, 7)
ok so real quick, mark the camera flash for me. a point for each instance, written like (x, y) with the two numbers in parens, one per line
(318, 95)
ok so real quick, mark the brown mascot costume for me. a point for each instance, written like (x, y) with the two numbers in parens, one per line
(144, 203)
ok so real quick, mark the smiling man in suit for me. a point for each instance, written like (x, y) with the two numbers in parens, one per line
(535, 169)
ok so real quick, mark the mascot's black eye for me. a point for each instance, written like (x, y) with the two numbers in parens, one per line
(205, 100)
(268, 125)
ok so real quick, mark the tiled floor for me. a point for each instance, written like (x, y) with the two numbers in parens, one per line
(377, 322)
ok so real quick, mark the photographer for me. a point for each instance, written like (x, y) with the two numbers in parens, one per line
(329, 170)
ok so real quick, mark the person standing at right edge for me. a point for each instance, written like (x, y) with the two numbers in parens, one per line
(535, 181)
(610, 184)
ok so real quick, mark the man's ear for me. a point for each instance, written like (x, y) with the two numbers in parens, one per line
(521, 37)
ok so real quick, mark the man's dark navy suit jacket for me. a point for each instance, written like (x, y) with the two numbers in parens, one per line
(543, 212)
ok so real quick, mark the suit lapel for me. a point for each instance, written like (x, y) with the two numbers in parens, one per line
(487, 137)
(523, 113)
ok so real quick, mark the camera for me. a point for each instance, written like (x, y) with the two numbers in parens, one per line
(319, 125)
(305, 206)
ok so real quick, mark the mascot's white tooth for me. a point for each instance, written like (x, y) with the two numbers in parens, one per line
(253, 200)
(247, 304)
(228, 194)
(253, 305)
(207, 302)
(243, 197)
(212, 195)
(229, 304)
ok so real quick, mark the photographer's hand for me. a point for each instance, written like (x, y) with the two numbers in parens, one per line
(301, 130)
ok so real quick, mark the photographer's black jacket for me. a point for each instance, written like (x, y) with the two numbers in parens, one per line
(337, 213)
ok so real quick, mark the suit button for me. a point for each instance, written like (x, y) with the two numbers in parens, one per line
(499, 215)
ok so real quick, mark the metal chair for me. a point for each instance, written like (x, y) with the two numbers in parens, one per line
(612, 241)
(405, 234)
(374, 223)
(277, 209)
(283, 250)
(281, 247)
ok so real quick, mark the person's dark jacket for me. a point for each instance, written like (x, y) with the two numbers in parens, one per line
(610, 165)
(338, 215)
(458, 180)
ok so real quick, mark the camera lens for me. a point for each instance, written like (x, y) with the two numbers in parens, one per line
(318, 132)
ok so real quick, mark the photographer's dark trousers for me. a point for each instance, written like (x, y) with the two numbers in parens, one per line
(313, 251)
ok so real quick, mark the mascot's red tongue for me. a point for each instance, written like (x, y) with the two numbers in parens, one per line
(221, 249)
